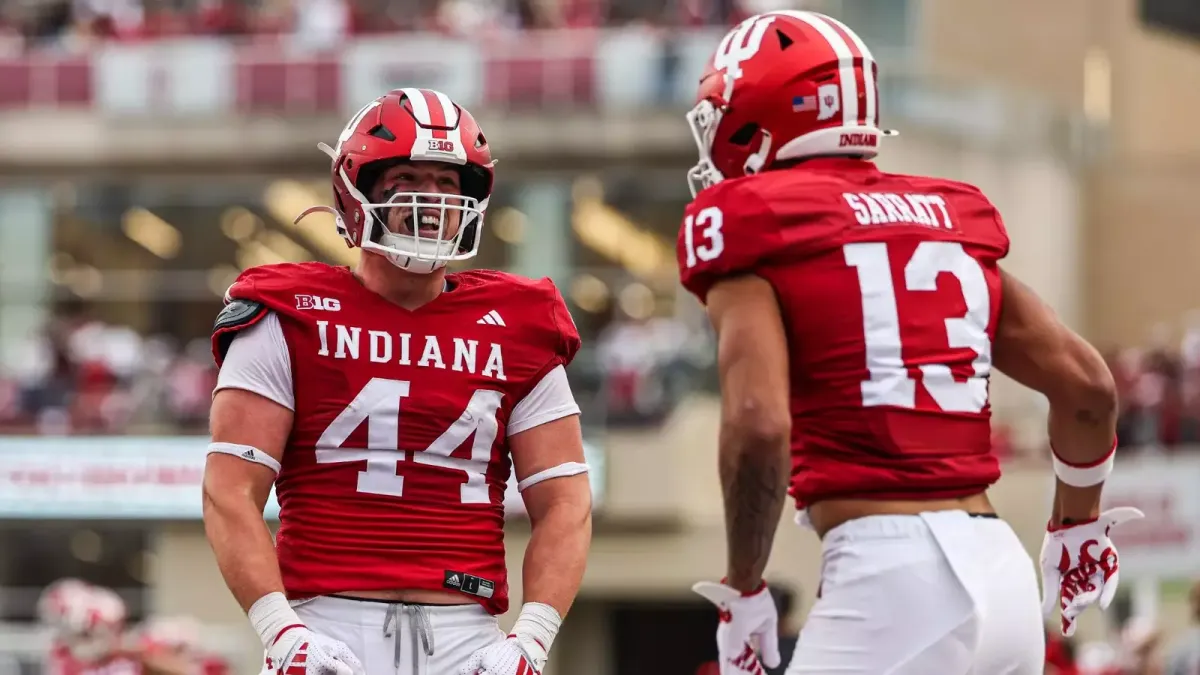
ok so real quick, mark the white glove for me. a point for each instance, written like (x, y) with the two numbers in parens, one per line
(1080, 565)
(747, 619)
(516, 655)
(299, 651)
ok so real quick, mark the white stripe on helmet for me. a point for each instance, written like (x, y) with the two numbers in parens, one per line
(868, 70)
(845, 61)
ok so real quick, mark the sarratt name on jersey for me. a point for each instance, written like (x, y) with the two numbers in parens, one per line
(430, 351)
(887, 208)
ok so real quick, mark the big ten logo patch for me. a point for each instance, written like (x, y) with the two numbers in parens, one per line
(317, 302)
(441, 145)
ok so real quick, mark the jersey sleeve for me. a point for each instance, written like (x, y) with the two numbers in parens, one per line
(1002, 240)
(565, 340)
(549, 400)
(550, 336)
(977, 217)
(258, 360)
(727, 231)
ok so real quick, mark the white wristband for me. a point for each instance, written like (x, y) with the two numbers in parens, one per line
(269, 615)
(1084, 475)
(538, 621)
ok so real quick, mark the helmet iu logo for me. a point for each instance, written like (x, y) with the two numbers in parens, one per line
(353, 124)
(740, 44)
(829, 101)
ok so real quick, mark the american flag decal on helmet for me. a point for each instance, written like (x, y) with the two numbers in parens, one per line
(804, 103)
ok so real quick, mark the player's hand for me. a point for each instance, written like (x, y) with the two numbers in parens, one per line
(297, 650)
(516, 655)
(747, 620)
(1080, 565)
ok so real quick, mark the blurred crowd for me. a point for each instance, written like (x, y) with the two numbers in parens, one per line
(647, 365)
(72, 25)
(1159, 390)
(84, 376)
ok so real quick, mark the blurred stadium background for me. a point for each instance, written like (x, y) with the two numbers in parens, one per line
(151, 149)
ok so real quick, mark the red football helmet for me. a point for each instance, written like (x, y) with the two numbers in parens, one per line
(784, 85)
(87, 620)
(60, 600)
(176, 634)
(410, 125)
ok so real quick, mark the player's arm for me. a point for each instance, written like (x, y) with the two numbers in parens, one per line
(546, 444)
(251, 420)
(1034, 348)
(559, 508)
(752, 360)
(236, 491)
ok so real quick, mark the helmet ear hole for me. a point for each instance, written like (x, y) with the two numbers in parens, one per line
(383, 132)
(744, 135)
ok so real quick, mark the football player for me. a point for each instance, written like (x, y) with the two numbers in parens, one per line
(169, 645)
(387, 404)
(86, 624)
(859, 315)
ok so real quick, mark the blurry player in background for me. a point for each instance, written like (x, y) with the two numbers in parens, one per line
(388, 405)
(170, 645)
(859, 315)
(87, 626)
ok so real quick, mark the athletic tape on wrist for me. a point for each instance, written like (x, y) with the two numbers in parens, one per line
(1084, 475)
(270, 616)
(538, 621)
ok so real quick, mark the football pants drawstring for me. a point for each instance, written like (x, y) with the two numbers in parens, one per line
(420, 632)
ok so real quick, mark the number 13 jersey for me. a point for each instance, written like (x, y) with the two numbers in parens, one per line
(395, 470)
(889, 289)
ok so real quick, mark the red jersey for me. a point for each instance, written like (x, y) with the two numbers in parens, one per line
(395, 470)
(62, 662)
(214, 664)
(889, 289)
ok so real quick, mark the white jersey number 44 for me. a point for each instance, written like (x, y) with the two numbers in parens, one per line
(379, 404)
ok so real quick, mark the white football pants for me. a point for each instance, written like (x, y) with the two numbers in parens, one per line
(941, 593)
(402, 639)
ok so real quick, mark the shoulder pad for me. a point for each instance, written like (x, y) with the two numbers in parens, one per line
(235, 316)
